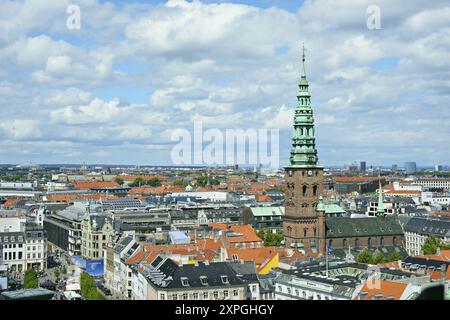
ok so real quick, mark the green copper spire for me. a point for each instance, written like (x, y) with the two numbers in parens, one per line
(380, 206)
(320, 205)
(303, 151)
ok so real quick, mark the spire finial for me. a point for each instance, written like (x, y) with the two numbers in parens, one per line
(303, 61)
(303, 57)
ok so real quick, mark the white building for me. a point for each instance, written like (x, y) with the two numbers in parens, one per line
(435, 198)
(418, 229)
(212, 196)
(11, 221)
(24, 250)
(439, 183)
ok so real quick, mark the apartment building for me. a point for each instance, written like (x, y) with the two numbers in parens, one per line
(419, 228)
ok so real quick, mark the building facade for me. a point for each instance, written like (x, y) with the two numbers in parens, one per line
(418, 229)
(96, 232)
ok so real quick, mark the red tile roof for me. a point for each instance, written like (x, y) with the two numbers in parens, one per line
(386, 289)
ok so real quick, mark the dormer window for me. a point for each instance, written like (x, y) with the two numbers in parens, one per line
(224, 279)
(185, 281)
(204, 280)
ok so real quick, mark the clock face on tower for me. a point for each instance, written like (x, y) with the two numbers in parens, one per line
(310, 173)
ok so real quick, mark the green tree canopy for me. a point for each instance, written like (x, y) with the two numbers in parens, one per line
(395, 256)
(31, 279)
(270, 238)
(154, 182)
(431, 245)
(364, 257)
(378, 258)
(119, 181)
(89, 288)
(181, 183)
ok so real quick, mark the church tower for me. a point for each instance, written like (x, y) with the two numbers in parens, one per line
(304, 220)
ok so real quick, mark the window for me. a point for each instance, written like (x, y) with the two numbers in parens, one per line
(174, 296)
(304, 190)
(184, 281)
(224, 279)
(296, 292)
(216, 294)
(162, 296)
(304, 232)
(235, 293)
(205, 295)
(195, 295)
(204, 280)
(356, 243)
(225, 294)
(185, 296)
(314, 190)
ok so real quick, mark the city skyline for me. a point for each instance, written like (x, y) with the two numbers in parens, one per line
(113, 90)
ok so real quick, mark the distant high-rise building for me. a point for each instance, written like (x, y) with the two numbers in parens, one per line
(438, 167)
(362, 166)
(394, 167)
(410, 167)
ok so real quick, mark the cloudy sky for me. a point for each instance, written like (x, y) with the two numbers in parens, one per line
(114, 90)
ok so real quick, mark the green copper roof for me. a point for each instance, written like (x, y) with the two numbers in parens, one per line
(341, 227)
(303, 151)
(333, 209)
(320, 205)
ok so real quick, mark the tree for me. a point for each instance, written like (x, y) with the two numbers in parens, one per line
(31, 279)
(56, 273)
(270, 238)
(138, 182)
(89, 288)
(119, 181)
(431, 244)
(364, 257)
(180, 183)
(395, 256)
(378, 258)
(154, 182)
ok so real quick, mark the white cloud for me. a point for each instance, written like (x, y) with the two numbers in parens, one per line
(222, 64)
